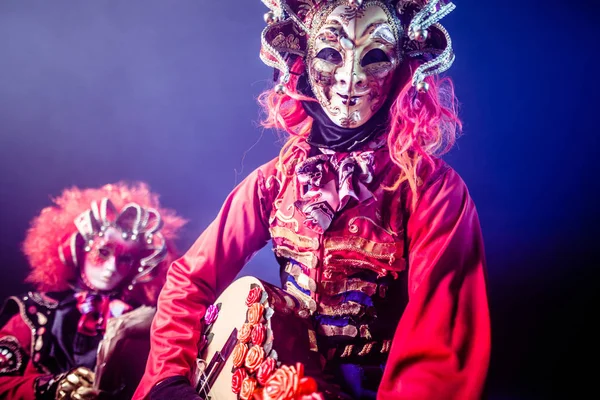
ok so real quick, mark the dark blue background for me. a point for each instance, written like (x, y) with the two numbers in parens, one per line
(92, 92)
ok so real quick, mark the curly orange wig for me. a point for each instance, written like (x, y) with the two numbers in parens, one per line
(55, 226)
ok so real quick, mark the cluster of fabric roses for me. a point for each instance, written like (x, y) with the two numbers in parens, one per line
(257, 374)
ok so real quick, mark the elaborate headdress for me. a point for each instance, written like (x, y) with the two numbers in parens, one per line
(62, 233)
(292, 22)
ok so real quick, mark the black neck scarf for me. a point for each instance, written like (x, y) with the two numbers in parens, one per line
(325, 133)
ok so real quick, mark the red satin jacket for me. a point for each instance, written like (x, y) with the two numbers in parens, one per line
(379, 272)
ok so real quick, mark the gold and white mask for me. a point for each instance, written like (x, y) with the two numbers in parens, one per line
(351, 49)
(351, 58)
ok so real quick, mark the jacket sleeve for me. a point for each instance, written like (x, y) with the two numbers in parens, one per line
(17, 378)
(441, 346)
(195, 280)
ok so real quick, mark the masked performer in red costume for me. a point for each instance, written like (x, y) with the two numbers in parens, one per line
(375, 235)
(94, 254)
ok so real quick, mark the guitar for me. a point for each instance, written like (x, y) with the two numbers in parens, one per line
(258, 343)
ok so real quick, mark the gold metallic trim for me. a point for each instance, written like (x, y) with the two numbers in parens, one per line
(303, 280)
(307, 259)
(366, 349)
(269, 182)
(350, 308)
(301, 297)
(290, 236)
(331, 330)
(12, 351)
(335, 287)
(306, 282)
(347, 351)
(337, 264)
(365, 332)
(23, 313)
(385, 347)
(39, 343)
(312, 340)
(384, 251)
(352, 227)
(287, 218)
(43, 301)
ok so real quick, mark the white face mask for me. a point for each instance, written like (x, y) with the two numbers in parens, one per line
(351, 61)
(110, 261)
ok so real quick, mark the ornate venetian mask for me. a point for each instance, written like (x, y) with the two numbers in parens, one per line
(352, 48)
(352, 56)
(111, 261)
(119, 247)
